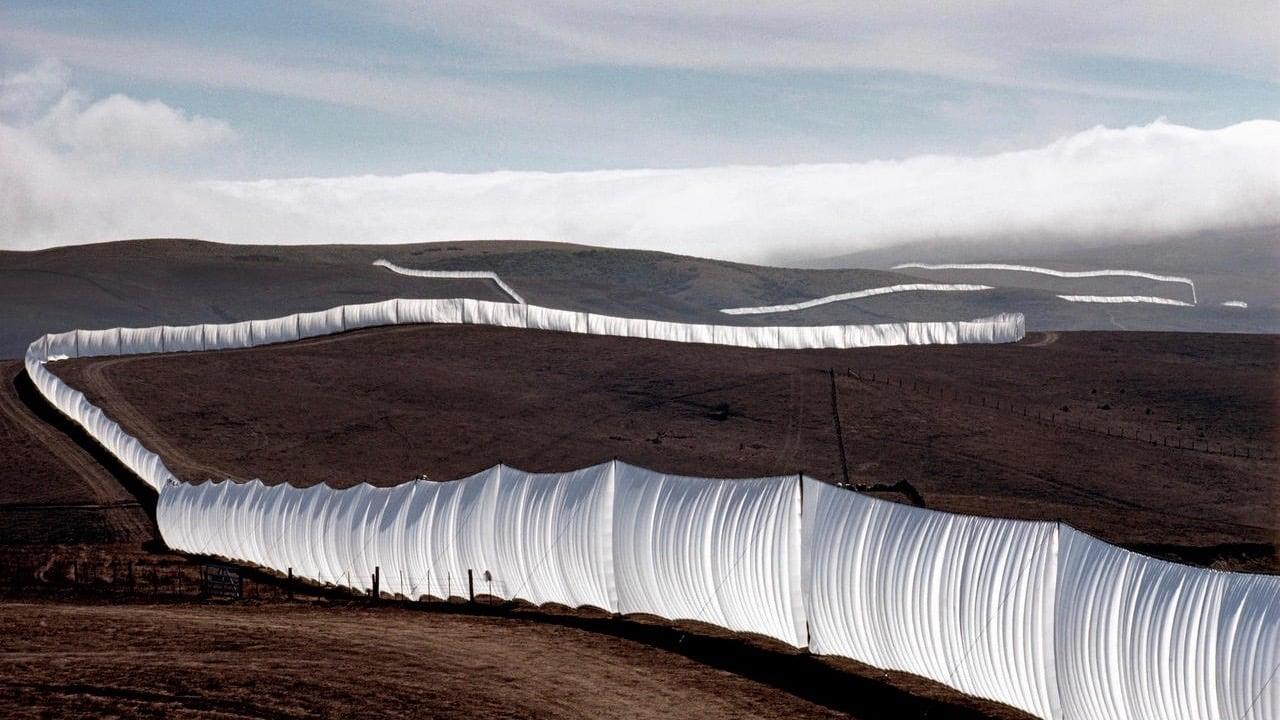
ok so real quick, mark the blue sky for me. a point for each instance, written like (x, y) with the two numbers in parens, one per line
(335, 88)
(761, 130)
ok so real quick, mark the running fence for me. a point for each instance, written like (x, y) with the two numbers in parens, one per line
(1033, 614)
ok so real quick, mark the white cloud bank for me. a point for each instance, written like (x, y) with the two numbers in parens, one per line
(73, 173)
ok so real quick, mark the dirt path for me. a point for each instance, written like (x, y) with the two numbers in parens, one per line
(18, 418)
(1045, 339)
(125, 413)
(77, 476)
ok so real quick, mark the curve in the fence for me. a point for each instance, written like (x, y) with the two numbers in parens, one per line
(453, 274)
(854, 295)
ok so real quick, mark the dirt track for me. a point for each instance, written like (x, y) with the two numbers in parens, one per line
(383, 405)
(51, 490)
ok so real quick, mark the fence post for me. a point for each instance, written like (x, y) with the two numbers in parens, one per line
(288, 585)
(377, 575)
(471, 586)
(835, 411)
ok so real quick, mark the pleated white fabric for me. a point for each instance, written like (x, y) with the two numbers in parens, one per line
(537, 537)
(611, 536)
(1035, 615)
(1119, 299)
(97, 343)
(1140, 638)
(552, 537)
(1055, 273)
(854, 295)
(963, 600)
(134, 341)
(185, 338)
(454, 274)
(719, 551)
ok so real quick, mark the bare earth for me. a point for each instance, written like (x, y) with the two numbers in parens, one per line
(293, 661)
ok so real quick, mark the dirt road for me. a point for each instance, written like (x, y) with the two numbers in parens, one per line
(51, 490)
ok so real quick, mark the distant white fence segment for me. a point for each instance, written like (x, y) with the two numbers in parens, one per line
(452, 274)
(1055, 273)
(1115, 299)
(1235, 304)
(1033, 614)
(854, 295)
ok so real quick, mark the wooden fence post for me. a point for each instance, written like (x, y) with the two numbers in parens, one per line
(288, 585)
(471, 586)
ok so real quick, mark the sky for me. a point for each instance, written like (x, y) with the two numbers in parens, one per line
(730, 129)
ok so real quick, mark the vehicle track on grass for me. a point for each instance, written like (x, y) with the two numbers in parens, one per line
(141, 427)
(1045, 340)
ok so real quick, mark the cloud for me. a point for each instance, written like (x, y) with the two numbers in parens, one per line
(72, 168)
(55, 188)
(120, 126)
(41, 104)
(1148, 180)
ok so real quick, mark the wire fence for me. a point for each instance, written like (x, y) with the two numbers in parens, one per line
(143, 577)
(1059, 419)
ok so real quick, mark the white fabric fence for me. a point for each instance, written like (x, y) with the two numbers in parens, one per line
(854, 295)
(1036, 615)
(1033, 614)
(452, 275)
(1054, 273)
(612, 536)
(1121, 299)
